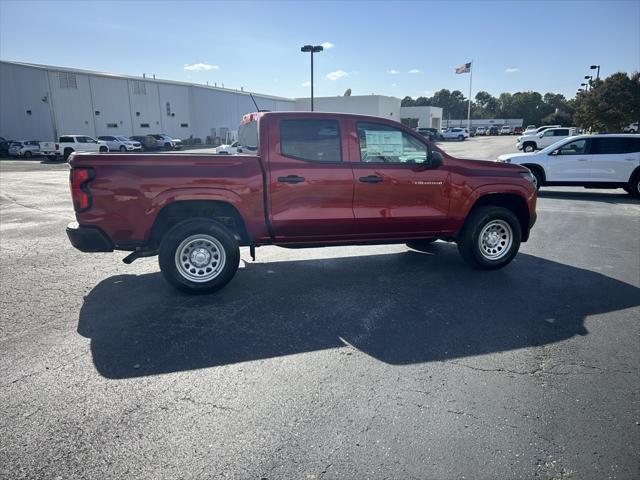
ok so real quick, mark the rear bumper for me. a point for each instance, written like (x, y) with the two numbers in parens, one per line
(88, 239)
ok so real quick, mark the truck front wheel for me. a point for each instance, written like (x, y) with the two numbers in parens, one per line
(490, 238)
(529, 147)
(199, 256)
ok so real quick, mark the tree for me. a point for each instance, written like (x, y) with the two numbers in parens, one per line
(407, 102)
(611, 103)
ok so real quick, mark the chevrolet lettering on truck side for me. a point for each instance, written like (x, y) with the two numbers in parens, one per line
(309, 180)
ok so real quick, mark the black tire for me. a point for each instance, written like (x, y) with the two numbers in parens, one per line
(167, 146)
(123, 148)
(538, 176)
(529, 147)
(422, 245)
(460, 138)
(27, 154)
(67, 153)
(469, 244)
(103, 149)
(52, 158)
(634, 187)
(220, 240)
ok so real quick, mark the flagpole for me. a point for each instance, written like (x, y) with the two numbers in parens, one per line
(469, 102)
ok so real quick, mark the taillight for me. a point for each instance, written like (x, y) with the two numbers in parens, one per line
(80, 178)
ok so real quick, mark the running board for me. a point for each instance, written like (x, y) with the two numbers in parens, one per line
(139, 253)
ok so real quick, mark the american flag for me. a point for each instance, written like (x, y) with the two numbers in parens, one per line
(466, 68)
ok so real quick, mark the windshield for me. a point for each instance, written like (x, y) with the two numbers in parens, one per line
(123, 139)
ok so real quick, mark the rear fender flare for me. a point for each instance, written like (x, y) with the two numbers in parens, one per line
(211, 194)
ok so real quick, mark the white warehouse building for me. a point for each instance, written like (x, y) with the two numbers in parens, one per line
(40, 102)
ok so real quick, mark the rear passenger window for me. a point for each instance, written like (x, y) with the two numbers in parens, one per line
(66, 140)
(631, 145)
(609, 146)
(563, 132)
(312, 140)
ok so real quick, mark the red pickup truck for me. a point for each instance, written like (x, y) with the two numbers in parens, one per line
(310, 179)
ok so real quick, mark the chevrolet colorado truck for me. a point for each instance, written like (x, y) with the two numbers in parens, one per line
(311, 179)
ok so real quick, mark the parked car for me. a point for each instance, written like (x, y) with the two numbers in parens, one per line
(4, 147)
(231, 149)
(297, 193)
(167, 142)
(121, 144)
(24, 148)
(67, 144)
(505, 130)
(480, 131)
(592, 161)
(455, 134)
(631, 128)
(430, 133)
(493, 130)
(532, 142)
(530, 129)
(147, 142)
(517, 130)
(540, 129)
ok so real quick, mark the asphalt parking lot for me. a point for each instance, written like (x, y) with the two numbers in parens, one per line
(345, 362)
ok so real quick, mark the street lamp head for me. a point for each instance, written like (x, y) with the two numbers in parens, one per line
(307, 48)
(593, 67)
(318, 48)
(583, 84)
(588, 77)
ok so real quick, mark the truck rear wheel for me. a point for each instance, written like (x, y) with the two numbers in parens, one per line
(67, 153)
(490, 238)
(199, 256)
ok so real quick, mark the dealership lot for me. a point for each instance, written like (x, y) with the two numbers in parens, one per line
(346, 362)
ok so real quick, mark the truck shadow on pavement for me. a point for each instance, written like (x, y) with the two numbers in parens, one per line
(399, 308)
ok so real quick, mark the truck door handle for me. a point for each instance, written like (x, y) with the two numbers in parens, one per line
(370, 179)
(291, 179)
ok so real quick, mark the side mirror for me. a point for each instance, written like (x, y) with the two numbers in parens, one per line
(435, 159)
(555, 152)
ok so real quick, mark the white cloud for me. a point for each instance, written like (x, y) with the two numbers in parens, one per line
(512, 70)
(414, 70)
(393, 72)
(306, 84)
(394, 84)
(337, 74)
(327, 45)
(199, 67)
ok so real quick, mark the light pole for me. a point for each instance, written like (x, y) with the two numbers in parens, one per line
(597, 69)
(589, 78)
(585, 85)
(312, 49)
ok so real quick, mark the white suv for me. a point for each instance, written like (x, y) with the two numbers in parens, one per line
(455, 134)
(120, 143)
(546, 137)
(592, 161)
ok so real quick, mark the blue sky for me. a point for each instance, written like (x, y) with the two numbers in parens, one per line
(389, 48)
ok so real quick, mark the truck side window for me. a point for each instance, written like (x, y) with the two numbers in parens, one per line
(66, 140)
(312, 140)
(385, 144)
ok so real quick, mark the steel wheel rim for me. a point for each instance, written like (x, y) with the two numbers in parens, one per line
(535, 180)
(495, 239)
(200, 258)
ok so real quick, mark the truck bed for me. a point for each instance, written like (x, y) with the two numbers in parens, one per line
(129, 190)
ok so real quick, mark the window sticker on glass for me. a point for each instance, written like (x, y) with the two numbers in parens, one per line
(383, 143)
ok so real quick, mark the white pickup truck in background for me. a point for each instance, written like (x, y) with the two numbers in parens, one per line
(546, 137)
(67, 144)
